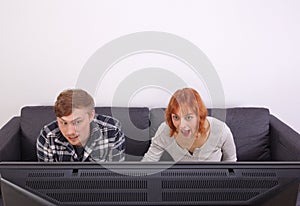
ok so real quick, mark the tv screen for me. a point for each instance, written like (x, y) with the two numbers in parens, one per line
(163, 183)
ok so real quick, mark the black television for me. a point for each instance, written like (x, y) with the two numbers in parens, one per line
(162, 183)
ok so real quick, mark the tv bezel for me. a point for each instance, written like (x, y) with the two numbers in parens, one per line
(287, 195)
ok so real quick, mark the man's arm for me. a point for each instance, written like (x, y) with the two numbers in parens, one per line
(115, 136)
(44, 152)
(117, 152)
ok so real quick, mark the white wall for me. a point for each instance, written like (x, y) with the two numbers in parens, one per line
(254, 46)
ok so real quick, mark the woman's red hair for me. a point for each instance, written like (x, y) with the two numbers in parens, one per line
(186, 98)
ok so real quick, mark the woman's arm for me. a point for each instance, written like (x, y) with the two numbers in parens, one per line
(158, 144)
(228, 148)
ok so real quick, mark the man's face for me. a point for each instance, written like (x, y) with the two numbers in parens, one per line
(76, 126)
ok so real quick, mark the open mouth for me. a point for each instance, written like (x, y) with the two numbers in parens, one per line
(73, 138)
(185, 132)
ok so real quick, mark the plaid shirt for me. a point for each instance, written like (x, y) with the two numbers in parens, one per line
(106, 143)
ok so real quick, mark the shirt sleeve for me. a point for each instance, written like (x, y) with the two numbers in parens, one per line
(158, 144)
(228, 147)
(44, 151)
(117, 151)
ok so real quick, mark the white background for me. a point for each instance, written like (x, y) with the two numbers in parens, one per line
(254, 45)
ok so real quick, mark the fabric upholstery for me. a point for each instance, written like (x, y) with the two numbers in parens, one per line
(250, 129)
(10, 143)
(284, 141)
(135, 125)
(32, 121)
(255, 132)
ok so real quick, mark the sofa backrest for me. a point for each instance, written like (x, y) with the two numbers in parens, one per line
(249, 126)
(134, 121)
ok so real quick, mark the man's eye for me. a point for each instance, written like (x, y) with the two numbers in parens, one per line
(64, 123)
(77, 122)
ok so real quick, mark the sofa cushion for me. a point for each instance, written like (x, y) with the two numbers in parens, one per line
(250, 129)
(135, 125)
(249, 126)
(32, 121)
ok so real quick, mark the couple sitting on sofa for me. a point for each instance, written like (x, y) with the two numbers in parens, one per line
(188, 134)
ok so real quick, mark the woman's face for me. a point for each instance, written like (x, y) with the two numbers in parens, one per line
(186, 123)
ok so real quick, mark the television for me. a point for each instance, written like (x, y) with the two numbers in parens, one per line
(162, 183)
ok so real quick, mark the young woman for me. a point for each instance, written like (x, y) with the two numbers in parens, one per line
(188, 134)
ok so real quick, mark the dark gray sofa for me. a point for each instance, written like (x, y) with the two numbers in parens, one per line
(259, 136)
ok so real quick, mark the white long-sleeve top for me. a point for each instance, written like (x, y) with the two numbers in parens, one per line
(219, 145)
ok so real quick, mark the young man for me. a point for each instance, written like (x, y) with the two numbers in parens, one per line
(78, 134)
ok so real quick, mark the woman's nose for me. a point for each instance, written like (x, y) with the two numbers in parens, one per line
(183, 123)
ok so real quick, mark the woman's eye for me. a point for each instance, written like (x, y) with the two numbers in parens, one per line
(189, 117)
(175, 117)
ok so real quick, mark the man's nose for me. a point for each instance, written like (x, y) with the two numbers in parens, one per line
(71, 129)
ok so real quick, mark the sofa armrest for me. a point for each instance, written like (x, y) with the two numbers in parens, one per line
(10, 141)
(285, 142)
